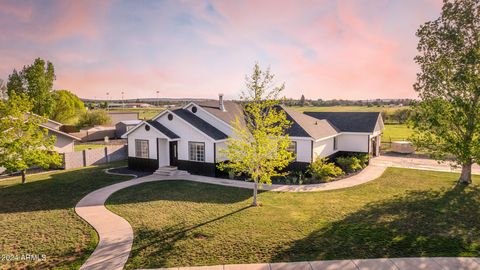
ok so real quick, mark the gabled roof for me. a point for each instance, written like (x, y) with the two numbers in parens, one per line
(349, 121)
(232, 110)
(200, 124)
(305, 126)
(54, 130)
(163, 129)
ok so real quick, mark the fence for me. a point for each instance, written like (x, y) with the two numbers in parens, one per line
(94, 156)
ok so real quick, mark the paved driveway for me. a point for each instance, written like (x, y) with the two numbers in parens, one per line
(417, 163)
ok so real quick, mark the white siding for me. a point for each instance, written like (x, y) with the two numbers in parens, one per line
(142, 134)
(187, 133)
(353, 142)
(304, 150)
(63, 144)
(323, 148)
(207, 117)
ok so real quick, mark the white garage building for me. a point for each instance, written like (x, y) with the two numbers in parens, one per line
(190, 137)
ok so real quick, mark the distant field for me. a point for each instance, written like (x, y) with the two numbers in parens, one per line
(144, 113)
(396, 132)
(348, 109)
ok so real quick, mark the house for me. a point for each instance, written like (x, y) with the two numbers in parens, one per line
(119, 116)
(64, 142)
(191, 137)
(124, 126)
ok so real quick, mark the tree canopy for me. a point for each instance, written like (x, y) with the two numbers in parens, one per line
(24, 143)
(258, 148)
(93, 118)
(447, 119)
(66, 106)
(35, 81)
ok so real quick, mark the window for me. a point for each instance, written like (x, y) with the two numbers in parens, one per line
(335, 144)
(293, 149)
(196, 151)
(141, 148)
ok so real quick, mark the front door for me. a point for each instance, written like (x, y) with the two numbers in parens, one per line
(173, 153)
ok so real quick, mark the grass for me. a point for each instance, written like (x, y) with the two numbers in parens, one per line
(38, 217)
(403, 213)
(81, 147)
(396, 132)
(144, 113)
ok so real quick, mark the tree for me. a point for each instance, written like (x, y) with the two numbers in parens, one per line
(258, 147)
(302, 101)
(36, 81)
(24, 143)
(66, 106)
(401, 115)
(447, 119)
(93, 118)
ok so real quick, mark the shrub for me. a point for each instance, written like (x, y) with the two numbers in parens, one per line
(93, 118)
(364, 159)
(349, 164)
(323, 170)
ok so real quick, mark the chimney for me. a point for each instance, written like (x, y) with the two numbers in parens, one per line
(221, 106)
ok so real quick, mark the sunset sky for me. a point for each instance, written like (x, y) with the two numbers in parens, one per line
(350, 49)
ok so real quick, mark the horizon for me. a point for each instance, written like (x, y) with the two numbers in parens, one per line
(352, 50)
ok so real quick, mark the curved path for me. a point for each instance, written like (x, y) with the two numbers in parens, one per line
(116, 234)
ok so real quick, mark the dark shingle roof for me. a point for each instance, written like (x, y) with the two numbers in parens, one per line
(163, 129)
(349, 121)
(233, 110)
(306, 126)
(200, 124)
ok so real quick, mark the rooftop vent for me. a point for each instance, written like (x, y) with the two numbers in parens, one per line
(221, 106)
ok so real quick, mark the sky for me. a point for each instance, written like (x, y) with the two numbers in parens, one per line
(323, 49)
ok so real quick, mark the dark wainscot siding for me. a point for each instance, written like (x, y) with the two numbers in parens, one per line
(142, 164)
(200, 168)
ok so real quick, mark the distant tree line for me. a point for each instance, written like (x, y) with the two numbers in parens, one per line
(345, 102)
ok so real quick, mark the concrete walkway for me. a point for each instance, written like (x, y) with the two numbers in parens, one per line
(367, 264)
(116, 234)
(417, 163)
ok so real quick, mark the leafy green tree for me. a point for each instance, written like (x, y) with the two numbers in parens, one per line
(36, 81)
(302, 100)
(24, 143)
(93, 118)
(66, 106)
(259, 146)
(447, 119)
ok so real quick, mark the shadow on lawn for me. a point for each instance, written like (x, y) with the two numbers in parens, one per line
(159, 245)
(57, 191)
(420, 223)
(180, 190)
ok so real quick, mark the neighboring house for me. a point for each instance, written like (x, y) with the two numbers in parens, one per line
(124, 126)
(191, 137)
(122, 116)
(64, 142)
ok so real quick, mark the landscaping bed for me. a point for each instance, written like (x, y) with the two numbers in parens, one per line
(325, 170)
(404, 213)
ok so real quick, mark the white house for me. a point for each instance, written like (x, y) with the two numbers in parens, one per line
(64, 142)
(191, 137)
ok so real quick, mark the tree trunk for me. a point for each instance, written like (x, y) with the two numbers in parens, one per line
(255, 189)
(466, 175)
(23, 176)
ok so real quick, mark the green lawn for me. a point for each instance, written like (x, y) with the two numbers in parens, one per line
(403, 213)
(81, 147)
(38, 217)
(396, 132)
(144, 113)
